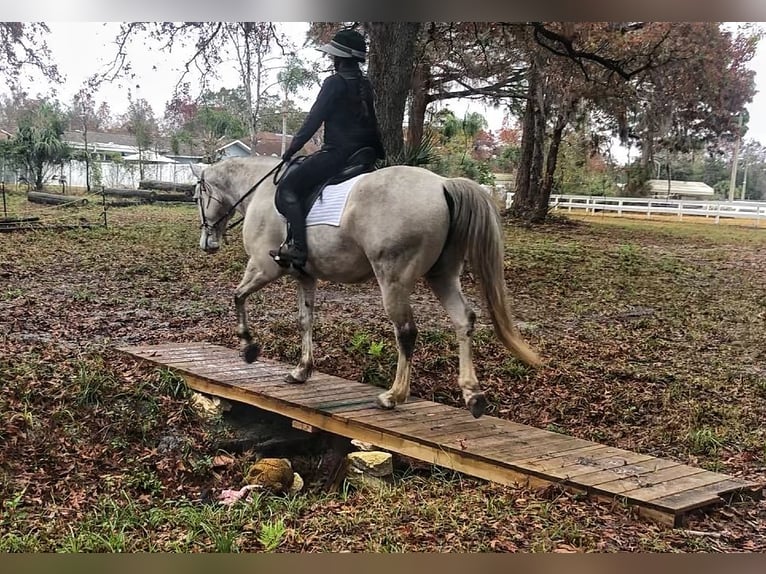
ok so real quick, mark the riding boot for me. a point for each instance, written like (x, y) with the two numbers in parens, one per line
(296, 252)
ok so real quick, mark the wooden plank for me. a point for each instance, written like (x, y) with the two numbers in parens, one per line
(340, 405)
(531, 445)
(575, 463)
(356, 399)
(401, 412)
(350, 410)
(304, 427)
(199, 357)
(631, 470)
(288, 391)
(493, 449)
(152, 350)
(625, 485)
(710, 494)
(352, 429)
(560, 459)
(675, 485)
(481, 441)
(449, 422)
(329, 400)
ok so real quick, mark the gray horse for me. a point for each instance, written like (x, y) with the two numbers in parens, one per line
(400, 223)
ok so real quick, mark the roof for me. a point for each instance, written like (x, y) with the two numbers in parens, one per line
(148, 156)
(677, 187)
(271, 144)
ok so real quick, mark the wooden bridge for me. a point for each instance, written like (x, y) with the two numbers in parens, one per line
(490, 448)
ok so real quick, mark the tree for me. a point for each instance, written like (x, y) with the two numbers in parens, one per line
(140, 122)
(390, 65)
(651, 70)
(391, 61)
(214, 124)
(472, 60)
(83, 115)
(250, 42)
(206, 121)
(38, 146)
(291, 78)
(22, 45)
(458, 150)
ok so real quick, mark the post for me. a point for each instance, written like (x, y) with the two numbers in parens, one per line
(284, 122)
(744, 181)
(87, 155)
(735, 159)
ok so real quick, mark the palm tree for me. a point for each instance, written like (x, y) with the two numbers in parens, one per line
(38, 145)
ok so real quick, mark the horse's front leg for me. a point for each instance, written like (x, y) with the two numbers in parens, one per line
(306, 297)
(256, 277)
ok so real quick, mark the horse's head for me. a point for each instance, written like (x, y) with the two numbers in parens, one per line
(214, 215)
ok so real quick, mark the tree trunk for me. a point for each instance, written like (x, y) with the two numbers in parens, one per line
(419, 101)
(392, 52)
(54, 199)
(543, 198)
(530, 169)
(39, 176)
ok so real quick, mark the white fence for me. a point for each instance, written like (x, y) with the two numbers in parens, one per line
(752, 210)
(119, 175)
(127, 175)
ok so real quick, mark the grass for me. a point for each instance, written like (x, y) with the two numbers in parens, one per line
(651, 333)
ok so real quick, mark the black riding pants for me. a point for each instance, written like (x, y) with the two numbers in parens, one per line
(297, 184)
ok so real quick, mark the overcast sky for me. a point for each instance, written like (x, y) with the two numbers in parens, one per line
(83, 48)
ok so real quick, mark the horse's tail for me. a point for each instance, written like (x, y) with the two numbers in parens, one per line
(476, 234)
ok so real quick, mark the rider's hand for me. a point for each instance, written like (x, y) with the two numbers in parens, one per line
(286, 156)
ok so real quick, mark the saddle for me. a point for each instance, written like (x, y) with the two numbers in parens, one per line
(361, 161)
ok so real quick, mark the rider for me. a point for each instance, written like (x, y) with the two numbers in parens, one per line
(345, 106)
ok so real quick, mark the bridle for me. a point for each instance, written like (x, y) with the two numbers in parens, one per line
(202, 186)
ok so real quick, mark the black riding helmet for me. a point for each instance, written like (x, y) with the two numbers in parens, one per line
(346, 43)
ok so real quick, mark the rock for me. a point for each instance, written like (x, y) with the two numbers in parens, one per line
(273, 474)
(297, 485)
(372, 463)
(209, 408)
(363, 446)
(171, 443)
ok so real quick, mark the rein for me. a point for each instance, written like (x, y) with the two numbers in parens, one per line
(202, 186)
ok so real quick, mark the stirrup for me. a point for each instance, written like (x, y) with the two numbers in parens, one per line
(284, 260)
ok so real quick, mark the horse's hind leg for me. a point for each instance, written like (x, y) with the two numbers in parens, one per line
(447, 288)
(306, 296)
(396, 302)
(255, 278)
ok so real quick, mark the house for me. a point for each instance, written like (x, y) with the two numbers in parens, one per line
(104, 147)
(676, 189)
(268, 144)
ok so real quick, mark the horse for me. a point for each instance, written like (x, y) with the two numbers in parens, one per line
(400, 224)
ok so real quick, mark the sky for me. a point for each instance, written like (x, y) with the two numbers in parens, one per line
(83, 48)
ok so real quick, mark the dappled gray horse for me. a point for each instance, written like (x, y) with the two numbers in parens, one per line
(400, 224)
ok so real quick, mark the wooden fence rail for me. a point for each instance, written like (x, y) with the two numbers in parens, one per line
(716, 210)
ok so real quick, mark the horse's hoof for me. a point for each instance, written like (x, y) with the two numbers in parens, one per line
(292, 380)
(385, 402)
(251, 353)
(477, 405)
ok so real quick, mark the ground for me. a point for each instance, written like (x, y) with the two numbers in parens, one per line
(652, 336)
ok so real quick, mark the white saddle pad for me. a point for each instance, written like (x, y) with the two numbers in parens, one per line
(329, 207)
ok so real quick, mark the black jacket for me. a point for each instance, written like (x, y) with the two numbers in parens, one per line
(346, 125)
